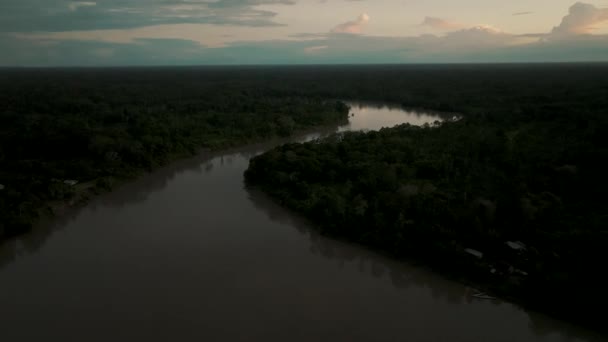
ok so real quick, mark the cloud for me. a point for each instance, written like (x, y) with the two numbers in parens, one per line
(581, 19)
(522, 13)
(308, 35)
(61, 15)
(74, 6)
(486, 33)
(314, 49)
(354, 26)
(440, 24)
(471, 46)
(206, 42)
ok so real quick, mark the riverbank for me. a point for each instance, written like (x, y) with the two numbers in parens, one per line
(504, 205)
(86, 124)
(59, 128)
(78, 195)
(231, 261)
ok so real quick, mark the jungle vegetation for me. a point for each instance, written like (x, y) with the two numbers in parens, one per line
(100, 126)
(520, 178)
(526, 162)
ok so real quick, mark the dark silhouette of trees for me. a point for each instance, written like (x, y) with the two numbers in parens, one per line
(527, 163)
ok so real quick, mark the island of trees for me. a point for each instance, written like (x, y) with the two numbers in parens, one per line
(511, 197)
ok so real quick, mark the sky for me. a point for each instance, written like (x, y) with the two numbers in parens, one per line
(234, 32)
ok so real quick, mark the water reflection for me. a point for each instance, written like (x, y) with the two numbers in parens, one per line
(406, 277)
(401, 275)
(30, 243)
(374, 116)
(140, 189)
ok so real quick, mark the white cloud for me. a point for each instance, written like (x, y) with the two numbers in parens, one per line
(74, 6)
(315, 49)
(441, 24)
(581, 19)
(354, 26)
(344, 43)
(481, 37)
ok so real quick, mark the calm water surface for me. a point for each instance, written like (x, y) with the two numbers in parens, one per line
(188, 254)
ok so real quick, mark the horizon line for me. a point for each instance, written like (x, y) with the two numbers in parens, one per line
(290, 65)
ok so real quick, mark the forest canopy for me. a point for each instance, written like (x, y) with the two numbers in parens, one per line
(512, 195)
(524, 167)
(68, 132)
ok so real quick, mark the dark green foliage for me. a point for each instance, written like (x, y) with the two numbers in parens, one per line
(95, 125)
(527, 163)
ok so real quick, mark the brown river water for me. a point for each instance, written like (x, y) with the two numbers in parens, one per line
(187, 253)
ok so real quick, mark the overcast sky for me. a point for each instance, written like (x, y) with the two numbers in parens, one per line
(192, 32)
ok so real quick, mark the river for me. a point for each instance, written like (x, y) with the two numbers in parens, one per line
(187, 253)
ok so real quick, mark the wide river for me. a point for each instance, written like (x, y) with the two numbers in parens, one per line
(187, 253)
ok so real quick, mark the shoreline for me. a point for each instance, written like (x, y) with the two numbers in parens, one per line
(444, 271)
(469, 278)
(87, 191)
(91, 192)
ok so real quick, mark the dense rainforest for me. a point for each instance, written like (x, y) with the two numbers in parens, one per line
(518, 178)
(65, 134)
(512, 196)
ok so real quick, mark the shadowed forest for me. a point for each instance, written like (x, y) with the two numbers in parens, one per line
(520, 178)
(100, 126)
(525, 163)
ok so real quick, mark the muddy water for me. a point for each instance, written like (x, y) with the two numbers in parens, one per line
(189, 254)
